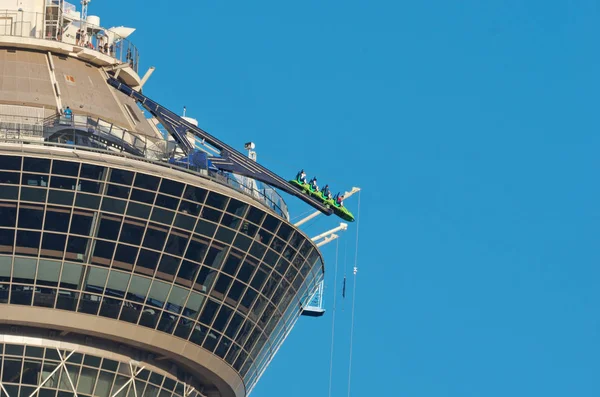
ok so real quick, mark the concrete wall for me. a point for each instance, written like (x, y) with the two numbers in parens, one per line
(25, 79)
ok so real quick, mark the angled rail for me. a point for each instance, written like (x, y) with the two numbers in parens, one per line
(231, 160)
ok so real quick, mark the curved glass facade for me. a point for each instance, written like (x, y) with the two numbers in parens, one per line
(51, 372)
(177, 258)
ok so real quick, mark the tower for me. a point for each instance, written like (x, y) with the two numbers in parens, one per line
(130, 264)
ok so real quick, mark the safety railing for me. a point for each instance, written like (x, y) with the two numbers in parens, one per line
(65, 29)
(96, 135)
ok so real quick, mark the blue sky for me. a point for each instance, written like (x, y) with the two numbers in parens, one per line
(472, 128)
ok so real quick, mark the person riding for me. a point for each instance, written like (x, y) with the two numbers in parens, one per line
(339, 199)
(301, 176)
(326, 192)
(313, 184)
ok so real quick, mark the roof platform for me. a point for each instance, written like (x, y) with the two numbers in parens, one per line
(96, 58)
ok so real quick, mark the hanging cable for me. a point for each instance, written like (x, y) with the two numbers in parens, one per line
(355, 270)
(302, 214)
(337, 244)
(345, 267)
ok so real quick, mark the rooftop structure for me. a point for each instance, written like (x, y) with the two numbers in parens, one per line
(138, 253)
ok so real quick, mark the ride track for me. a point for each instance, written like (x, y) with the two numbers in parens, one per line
(231, 160)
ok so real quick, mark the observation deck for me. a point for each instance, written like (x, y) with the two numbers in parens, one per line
(34, 30)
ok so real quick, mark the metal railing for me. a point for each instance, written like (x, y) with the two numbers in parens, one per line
(38, 25)
(97, 135)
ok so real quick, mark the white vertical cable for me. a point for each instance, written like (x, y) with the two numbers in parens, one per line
(353, 296)
(333, 316)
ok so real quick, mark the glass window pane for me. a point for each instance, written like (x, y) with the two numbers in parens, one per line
(143, 196)
(31, 372)
(7, 240)
(168, 267)
(211, 214)
(90, 186)
(65, 168)
(53, 244)
(138, 289)
(155, 238)
(33, 194)
(9, 177)
(113, 205)
(188, 270)
(159, 292)
(118, 191)
(195, 194)
(60, 182)
(162, 216)
(117, 282)
(125, 254)
(48, 272)
(5, 267)
(57, 221)
(196, 250)
(131, 233)
(71, 275)
(105, 380)
(60, 197)
(96, 278)
(171, 187)
(11, 371)
(9, 192)
(236, 207)
(177, 296)
(87, 380)
(215, 256)
(31, 218)
(138, 210)
(209, 311)
(109, 228)
(167, 202)
(147, 261)
(255, 215)
(24, 269)
(90, 171)
(216, 200)
(193, 304)
(10, 162)
(34, 180)
(176, 245)
(87, 201)
(82, 223)
(146, 181)
(36, 165)
(121, 176)
(8, 214)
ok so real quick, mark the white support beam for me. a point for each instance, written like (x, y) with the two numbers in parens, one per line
(327, 240)
(342, 226)
(146, 77)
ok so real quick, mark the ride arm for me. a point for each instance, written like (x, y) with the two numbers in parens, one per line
(231, 160)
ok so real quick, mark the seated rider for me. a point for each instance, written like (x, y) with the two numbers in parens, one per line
(326, 192)
(339, 199)
(313, 184)
(301, 176)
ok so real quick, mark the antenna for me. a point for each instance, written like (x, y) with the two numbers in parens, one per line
(84, 13)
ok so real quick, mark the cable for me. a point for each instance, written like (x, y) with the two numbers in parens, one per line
(353, 296)
(333, 316)
(345, 266)
(302, 214)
